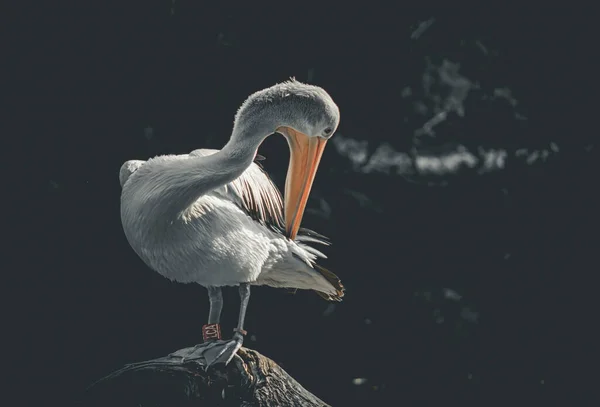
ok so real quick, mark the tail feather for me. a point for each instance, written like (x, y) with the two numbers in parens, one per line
(334, 281)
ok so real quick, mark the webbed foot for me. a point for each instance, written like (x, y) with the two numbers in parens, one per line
(212, 352)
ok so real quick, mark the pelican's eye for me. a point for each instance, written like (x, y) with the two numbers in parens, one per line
(327, 131)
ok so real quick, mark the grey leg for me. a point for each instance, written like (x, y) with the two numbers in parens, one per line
(210, 334)
(244, 298)
(213, 350)
(215, 297)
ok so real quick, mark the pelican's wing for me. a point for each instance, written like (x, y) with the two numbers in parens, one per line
(254, 192)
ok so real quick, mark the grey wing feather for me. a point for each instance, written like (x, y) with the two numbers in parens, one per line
(254, 192)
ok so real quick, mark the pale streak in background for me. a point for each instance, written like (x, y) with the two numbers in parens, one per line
(444, 91)
(385, 159)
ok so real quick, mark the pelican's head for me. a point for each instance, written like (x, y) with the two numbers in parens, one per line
(307, 117)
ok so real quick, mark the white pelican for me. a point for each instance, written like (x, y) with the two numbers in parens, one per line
(215, 218)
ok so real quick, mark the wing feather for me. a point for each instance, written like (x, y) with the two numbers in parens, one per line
(254, 192)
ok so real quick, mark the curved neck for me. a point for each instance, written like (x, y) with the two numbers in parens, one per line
(187, 180)
(240, 150)
(237, 155)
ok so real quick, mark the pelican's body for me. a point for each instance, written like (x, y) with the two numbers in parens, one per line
(216, 241)
(213, 217)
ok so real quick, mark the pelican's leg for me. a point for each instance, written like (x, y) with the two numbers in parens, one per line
(244, 298)
(218, 351)
(212, 330)
(215, 296)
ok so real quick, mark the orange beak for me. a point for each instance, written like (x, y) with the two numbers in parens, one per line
(305, 155)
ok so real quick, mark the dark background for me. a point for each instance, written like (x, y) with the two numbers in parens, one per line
(464, 284)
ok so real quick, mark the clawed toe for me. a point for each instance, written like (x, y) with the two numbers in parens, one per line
(222, 354)
(211, 353)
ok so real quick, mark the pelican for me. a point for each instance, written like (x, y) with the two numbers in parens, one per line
(213, 217)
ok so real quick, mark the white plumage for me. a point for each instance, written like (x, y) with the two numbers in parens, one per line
(230, 235)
